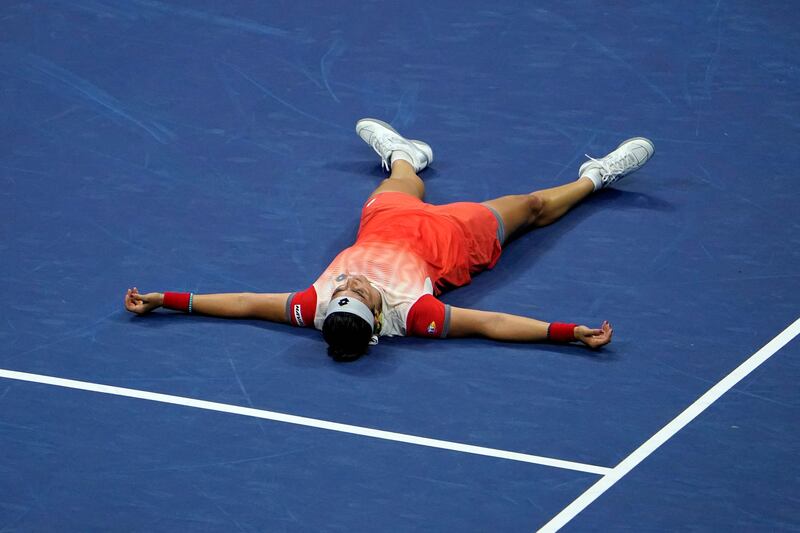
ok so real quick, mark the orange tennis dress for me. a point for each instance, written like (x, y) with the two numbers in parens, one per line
(410, 251)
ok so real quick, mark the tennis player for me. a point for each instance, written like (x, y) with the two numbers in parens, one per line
(408, 252)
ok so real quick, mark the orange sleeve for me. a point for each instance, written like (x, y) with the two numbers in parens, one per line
(428, 317)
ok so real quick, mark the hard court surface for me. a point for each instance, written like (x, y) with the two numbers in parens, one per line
(209, 147)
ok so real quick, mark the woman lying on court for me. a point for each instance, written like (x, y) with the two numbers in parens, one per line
(407, 252)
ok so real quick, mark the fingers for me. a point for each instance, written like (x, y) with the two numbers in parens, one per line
(608, 331)
(595, 338)
(130, 301)
(133, 300)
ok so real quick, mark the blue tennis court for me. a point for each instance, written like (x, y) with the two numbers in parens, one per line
(196, 146)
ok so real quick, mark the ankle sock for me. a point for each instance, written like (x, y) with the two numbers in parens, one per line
(594, 175)
(402, 156)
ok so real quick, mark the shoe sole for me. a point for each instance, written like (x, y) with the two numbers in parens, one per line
(428, 152)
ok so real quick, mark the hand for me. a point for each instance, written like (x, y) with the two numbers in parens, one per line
(594, 338)
(142, 303)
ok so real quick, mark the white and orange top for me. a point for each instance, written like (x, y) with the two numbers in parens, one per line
(410, 251)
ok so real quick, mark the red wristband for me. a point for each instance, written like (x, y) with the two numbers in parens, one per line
(561, 332)
(180, 301)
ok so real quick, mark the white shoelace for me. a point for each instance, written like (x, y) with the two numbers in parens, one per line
(379, 148)
(614, 166)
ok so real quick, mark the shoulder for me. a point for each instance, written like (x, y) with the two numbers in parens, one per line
(428, 317)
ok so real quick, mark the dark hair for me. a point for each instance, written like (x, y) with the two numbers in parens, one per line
(347, 336)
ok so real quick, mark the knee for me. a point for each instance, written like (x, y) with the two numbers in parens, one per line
(413, 186)
(535, 204)
(537, 210)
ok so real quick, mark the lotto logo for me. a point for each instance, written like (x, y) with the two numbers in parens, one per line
(298, 316)
(431, 328)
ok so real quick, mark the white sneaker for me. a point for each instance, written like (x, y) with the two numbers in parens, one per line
(384, 139)
(629, 156)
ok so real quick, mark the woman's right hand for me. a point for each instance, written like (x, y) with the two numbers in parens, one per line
(142, 303)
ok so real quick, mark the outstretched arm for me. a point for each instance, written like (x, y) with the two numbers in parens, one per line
(505, 327)
(262, 306)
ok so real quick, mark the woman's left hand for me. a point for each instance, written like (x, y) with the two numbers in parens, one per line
(594, 338)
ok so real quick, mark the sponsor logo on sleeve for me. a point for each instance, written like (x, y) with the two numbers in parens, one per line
(432, 328)
(298, 315)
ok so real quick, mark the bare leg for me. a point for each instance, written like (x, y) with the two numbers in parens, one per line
(558, 200)
(402, 179)
(539, 208)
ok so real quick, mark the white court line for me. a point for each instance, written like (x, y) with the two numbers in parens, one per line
(303, 421)
(668, 431)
